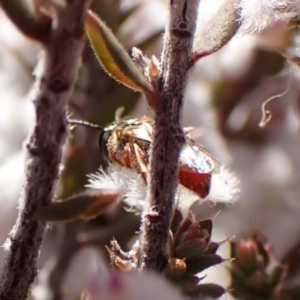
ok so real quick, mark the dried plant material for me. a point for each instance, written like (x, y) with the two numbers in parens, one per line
(266, 114)
(125, 261)
(154, 69)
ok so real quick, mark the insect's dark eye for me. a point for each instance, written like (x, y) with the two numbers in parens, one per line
(103, 140)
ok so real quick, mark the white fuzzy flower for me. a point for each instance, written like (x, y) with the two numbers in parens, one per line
(129, 183)
(259, 14)
(224, 187)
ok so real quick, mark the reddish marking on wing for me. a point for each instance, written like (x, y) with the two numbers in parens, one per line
(198, 183)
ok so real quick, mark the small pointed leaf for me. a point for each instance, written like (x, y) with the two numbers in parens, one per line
(183, 227)
(192, 233)
(205, 262)
(212, 248)
(176, 221)
(276, 276)
(191, 249)
(206, 224)
(176, 268)
(113, 57)
(85, 205)
(219, 30)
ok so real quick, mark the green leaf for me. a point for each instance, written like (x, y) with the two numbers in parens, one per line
(113, 57)
(85, 205)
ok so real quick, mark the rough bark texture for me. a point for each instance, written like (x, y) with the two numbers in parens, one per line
(168, 137)
(54, 88)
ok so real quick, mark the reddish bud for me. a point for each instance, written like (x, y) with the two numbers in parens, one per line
(246, 255)
(176, 268)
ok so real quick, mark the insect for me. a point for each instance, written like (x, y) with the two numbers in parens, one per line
(127, 143)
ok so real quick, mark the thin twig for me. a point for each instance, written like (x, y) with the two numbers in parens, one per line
(54, 88)
(60, 262)
(168, 136)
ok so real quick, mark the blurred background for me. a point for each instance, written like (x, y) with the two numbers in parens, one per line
(223, 101)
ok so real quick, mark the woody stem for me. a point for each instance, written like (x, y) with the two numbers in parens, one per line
(168, 134)
(63, 44)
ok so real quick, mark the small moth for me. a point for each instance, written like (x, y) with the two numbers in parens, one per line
(127, 143)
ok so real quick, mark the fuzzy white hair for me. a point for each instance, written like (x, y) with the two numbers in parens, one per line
(224, 187)
(259, 14)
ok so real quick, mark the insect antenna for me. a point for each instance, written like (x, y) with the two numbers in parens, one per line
(85, 123)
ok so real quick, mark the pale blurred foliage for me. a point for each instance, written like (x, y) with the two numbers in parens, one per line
(127, 286)
(85, 264)
(17, 56)
(269, 172)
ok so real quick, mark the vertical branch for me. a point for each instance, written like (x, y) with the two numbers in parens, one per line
(54, 87)
(168, 137)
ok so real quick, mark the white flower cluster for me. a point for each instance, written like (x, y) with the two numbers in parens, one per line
(129, 183)
(224, 187)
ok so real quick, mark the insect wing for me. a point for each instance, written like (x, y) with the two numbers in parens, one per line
(141, 132)
(196, 166)
(196, 158)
